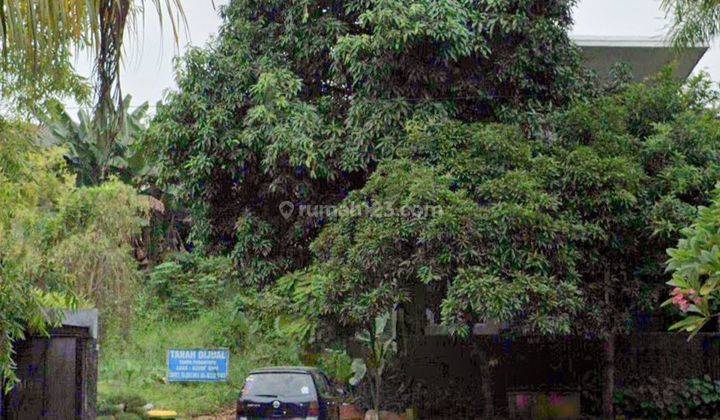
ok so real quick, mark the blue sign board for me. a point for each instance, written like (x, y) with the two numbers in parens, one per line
(198, 365)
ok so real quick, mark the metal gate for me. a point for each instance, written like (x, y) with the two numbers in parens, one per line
(58, 377)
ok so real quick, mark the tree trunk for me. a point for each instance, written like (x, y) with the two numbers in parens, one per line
(378, 388)
(609, 375)
(113, 16)
(486, 384)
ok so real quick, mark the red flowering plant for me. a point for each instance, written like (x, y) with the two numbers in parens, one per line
(685, 300)
(694, 307)
(695, 267)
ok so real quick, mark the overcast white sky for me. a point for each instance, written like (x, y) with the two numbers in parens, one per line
(148, 70)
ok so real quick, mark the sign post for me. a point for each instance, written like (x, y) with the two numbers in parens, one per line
(197, 365)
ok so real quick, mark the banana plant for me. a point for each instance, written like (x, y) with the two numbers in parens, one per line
(90, 154)
(380, 342)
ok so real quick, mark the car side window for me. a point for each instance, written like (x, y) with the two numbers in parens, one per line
(321, 383)
(328, 383)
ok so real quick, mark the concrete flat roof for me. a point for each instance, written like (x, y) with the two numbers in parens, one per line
(84, 318)
(646, 56)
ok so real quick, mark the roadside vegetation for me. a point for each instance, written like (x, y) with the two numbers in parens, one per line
(193, 302)
(134, 366)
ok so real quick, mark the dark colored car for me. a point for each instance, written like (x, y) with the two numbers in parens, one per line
(288, 393)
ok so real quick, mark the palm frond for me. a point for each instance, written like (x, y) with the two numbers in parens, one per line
(695, 22)
(36, 36)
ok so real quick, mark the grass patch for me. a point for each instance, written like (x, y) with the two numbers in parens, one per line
(135, 365)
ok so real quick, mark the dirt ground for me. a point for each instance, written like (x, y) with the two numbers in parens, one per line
(228, 415)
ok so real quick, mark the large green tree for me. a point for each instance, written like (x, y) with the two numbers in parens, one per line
(299, 100)
(560, 234)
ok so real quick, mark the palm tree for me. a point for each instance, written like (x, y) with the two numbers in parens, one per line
(114, 16)
(695, 22)
(36, 37)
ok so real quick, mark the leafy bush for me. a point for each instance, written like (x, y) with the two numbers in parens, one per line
(55, 237)
(231, 325)
(337, 364)
(667, 398)
(380, 346)
(130, 401)
(89, 154)
(695, 266)
(189, 283)
(94, 230)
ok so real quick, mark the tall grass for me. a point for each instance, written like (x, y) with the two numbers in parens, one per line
(137, 366)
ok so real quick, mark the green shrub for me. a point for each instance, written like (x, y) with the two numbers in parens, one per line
(105, 408)
(695, 264)
(56, 237)
(668, 398)
(229, 326)
(123, 405)
(336, 363)
(129, 400)
(189, 283)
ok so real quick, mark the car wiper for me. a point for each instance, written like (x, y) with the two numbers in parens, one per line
(265, 395)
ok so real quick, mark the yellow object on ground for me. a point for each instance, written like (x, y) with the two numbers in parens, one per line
(161, 414)
(412, 414)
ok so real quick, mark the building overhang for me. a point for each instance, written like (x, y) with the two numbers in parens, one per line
(646, 56)
(83, 318)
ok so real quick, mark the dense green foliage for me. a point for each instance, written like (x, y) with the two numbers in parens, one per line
(187, 284)
(348, 167)
(435, 236)
(20, 300)
(297, 101)
(695, 267)
(691, 398)
(55, 237)
(565, 233)
(92, 157)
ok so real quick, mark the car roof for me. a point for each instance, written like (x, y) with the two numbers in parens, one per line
(286, 369)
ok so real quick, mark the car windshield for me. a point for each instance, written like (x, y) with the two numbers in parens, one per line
(279, 385)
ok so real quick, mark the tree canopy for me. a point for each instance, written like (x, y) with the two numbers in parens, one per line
(560, 234)
(298, 101)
